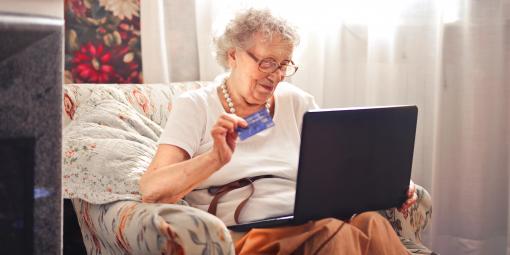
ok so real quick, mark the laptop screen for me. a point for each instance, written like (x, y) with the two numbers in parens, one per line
(354, 160)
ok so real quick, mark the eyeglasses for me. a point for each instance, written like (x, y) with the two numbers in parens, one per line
(269, 65)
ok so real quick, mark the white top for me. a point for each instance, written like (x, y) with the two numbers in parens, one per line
(273, 151)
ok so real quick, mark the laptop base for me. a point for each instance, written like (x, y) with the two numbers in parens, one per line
(282, 221)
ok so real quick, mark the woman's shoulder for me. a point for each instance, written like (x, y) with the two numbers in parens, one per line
(288, 90)
(295, 98)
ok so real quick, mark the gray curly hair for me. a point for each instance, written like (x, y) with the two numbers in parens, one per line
(240, 30)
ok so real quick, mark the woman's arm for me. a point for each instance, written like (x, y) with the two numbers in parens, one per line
(172, 174)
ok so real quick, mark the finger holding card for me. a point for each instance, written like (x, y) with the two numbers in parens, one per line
(224, 135)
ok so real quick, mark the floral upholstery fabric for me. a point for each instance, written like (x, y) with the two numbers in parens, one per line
(107, 147)
(411, 222)
(132, 227)
(154, 100)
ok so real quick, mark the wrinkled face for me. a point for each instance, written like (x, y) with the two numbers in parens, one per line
(251, 84)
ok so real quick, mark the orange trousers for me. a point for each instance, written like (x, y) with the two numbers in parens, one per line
(367, 233)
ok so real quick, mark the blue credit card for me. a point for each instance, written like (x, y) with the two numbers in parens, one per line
(257, 122)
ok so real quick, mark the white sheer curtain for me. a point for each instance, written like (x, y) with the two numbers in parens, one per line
(169, 41)
(449, 57)
(155, 63)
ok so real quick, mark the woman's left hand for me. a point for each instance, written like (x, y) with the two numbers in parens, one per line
(411, 197)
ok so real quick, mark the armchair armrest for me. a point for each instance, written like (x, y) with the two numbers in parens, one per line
(411, 222)
(133, 227)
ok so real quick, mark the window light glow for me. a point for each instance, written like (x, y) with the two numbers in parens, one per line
(381, 18)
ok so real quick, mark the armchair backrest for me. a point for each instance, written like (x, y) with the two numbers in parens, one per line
(152, 100)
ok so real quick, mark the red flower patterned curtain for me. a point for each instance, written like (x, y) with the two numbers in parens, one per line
(102, 41)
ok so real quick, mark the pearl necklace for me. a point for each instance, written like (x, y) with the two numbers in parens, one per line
(230, 104)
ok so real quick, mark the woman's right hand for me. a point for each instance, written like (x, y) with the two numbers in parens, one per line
(224, 134)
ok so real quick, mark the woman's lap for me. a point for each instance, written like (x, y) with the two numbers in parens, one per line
(367, 233)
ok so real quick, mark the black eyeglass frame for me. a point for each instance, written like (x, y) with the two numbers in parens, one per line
(277, 66)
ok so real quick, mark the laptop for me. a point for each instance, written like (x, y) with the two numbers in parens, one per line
(351, 160)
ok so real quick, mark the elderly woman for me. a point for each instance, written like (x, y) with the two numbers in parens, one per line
(201, 158)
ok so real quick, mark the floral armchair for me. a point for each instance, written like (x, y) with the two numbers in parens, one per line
(101, 120)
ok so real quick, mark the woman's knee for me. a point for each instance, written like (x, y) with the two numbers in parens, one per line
(367, 221)
(368, 216)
